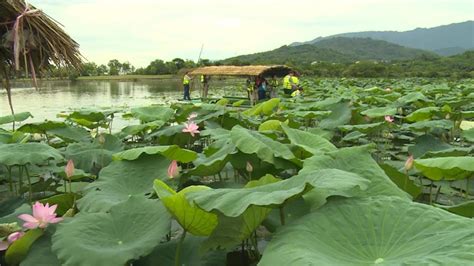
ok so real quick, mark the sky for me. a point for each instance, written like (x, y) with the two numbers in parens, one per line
(140, 31)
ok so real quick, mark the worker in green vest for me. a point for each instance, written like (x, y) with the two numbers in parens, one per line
(186, 83)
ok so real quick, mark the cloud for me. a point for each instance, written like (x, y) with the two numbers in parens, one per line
(143, 30)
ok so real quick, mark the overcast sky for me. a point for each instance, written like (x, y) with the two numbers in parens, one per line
(140, 31)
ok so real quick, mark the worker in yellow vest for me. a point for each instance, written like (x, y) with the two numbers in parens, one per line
(291, 83)
(186, 83)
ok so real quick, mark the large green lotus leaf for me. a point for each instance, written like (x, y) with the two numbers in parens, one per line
(429, 125)
(192, 218)
(216, 133)
(403, 181)
(310, 142)
(465, 209)
(88, 156)
(17, 118)
(378, 230)
(359, 161)
(214, 163)
(468, 135)
(449, 168)
(379, 111)
(340, 115)
(152, 113)
(172, 152)
(427, 143)
(121, 179)
(422, 114)
(234, 202)
(28, 153)
(231, 231)
(130, 230)
(266, 149)
(191, 254)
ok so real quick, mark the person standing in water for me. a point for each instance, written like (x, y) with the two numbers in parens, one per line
(186, 83)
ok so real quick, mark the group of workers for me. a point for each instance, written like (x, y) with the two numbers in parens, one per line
(257, 88)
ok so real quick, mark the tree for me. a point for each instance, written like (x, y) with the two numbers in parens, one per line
(114, 67)
(102, 70)
(127, 68)
(89, 69)
(178, 62)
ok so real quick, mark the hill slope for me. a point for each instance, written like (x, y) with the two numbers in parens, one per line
(338, 50)
(445, 40)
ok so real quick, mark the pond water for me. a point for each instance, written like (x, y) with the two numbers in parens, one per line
(56, 97)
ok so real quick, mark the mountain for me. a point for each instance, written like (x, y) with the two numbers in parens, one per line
(338, 49)
(445, 40)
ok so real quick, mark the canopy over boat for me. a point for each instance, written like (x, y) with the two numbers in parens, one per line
(242, 71)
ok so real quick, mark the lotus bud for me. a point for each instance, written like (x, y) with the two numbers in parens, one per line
(448, 116)
(173, 170)
(249, 167)
(400, 110)
(409, 163)
(69, 169)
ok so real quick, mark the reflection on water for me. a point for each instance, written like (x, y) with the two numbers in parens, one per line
(63, 96)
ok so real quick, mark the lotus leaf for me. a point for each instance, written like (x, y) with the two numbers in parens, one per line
(234, 202)
(192, 218)
(422, 114)
(19, 117)
(449, 168)
(359, 161)
(251, 142)
(310, 142)
(379, 230)
(379, 112)
(130, 230)
(172, 152)
(28, 153)
(121, 179)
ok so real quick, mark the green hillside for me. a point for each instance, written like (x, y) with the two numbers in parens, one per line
(338, 50)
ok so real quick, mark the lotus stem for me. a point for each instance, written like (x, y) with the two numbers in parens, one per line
(178, 249)
(10, 179)
(282, 215)
(431, 189)
(20, 177)
(29, 183)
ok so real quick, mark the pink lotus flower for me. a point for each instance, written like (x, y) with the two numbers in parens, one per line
(42, 216)
(389, 118)
(191, 127)
(173, 170)
(10, 239)
(69, 169)
(192, 116)
(409, 163)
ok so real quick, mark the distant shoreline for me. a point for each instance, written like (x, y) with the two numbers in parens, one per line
(109, 78)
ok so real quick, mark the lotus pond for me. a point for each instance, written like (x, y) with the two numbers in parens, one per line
(356, 172)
